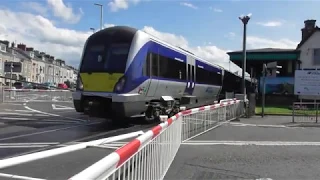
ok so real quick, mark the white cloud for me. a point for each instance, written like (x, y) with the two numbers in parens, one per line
(231, 35)
(40, 33)
(208, 52)
(270, 23)
(257, 42)
(189, 5)
(116, 5)
(108, 25)
(35, 6)
(215, 9)
(64, 12)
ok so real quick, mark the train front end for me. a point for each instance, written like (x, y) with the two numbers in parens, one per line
(102, 71)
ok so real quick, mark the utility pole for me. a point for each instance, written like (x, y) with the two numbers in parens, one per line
(244, 20)
(101, 14)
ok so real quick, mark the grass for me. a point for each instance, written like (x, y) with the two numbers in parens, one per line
(273, 110)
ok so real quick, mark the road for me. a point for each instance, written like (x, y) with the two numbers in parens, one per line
(34, 126)
(250, 149)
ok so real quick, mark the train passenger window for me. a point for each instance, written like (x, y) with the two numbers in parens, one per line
(171, 68)
(208, 77)
(151, 67)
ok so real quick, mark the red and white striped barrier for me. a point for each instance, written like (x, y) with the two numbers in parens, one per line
(113, 161)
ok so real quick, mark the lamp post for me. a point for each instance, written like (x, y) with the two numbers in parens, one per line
(244, 20)
(92, 29)
(101, 14)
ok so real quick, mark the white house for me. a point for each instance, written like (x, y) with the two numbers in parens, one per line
(310, 46)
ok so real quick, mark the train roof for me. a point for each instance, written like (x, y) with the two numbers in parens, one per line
(131, 30)
(182, 50)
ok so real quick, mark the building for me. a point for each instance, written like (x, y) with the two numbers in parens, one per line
(309, 46)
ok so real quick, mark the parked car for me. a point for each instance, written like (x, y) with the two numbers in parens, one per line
(47, 85)
(62, 86)
(22, 85)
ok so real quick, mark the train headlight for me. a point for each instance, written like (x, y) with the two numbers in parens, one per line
(120, 84)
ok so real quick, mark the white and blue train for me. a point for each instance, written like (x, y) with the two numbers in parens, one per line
(126, 72)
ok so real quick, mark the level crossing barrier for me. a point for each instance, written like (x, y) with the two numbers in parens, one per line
(150, 155)
(23, 95)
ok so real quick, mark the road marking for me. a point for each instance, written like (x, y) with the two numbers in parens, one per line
(26, 145)
(48, 131)
(23, 111)
(257, 143)
(23, 144)
(19, 114)
(18, 177)
(56, 115)
(262, 125)
(60, 107)
(17, 118)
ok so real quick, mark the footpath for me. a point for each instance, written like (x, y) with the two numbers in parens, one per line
(257, 148)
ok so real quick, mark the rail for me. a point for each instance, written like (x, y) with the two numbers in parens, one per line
(150, 155)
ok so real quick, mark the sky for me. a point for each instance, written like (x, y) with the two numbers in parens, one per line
(209, 28)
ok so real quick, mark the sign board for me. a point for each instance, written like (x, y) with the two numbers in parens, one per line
(17, 67)
(307, 82)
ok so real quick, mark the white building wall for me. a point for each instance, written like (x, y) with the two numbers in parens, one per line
(307, 52)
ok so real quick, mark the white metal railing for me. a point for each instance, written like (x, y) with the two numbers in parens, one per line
(150, 155)
(23, 95)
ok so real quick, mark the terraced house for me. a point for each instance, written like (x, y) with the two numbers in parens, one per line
(36, 66)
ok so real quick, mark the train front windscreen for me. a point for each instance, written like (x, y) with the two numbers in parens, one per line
(104, 60)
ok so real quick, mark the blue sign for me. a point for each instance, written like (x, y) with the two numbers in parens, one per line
(277, 85)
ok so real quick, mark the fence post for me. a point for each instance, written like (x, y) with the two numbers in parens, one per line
(293, 107)
(317, 107)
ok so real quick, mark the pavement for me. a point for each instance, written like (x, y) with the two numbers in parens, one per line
(255, 148)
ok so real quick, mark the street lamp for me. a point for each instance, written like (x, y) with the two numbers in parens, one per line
(245, 20)
(101, 13)
(92, 29)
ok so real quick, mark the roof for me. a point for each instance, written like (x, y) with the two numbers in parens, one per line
(306, 39)
(264, 50)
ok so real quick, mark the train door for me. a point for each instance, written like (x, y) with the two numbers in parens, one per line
(152, 63)
(190, 75)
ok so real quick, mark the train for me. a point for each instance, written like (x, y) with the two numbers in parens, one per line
(125, 72)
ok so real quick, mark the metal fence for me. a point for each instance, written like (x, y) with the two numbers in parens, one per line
(305, 112)
(24, 95)
(150, 155)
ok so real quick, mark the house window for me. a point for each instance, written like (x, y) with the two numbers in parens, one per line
(316, 56)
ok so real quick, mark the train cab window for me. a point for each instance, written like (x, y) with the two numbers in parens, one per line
(116, 58)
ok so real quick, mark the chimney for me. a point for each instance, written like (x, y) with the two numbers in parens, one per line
(309, 26)
(29, 49)
(22, 47)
